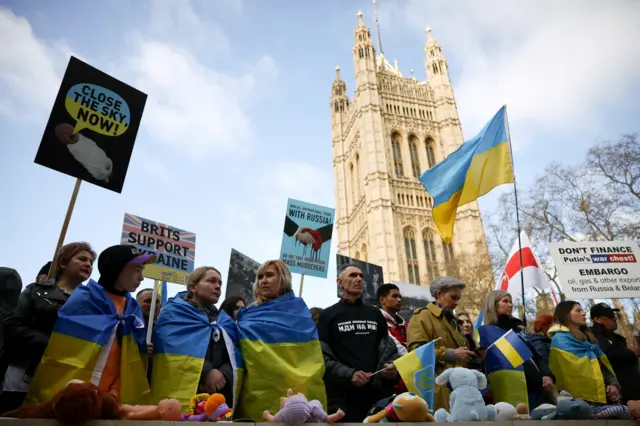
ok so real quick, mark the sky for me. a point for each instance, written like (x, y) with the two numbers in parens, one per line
(237, 119)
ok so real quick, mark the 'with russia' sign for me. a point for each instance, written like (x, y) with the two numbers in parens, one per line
(174, 248)
(306, 239)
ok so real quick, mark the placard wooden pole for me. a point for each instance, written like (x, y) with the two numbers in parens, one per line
(301, 284)
(63, 231)
(152, 312)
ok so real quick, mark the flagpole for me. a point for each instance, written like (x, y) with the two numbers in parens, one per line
(515, 193)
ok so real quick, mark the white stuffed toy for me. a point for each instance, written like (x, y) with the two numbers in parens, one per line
(466, 402)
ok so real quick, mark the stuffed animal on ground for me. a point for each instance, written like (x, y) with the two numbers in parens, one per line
(466, 401)
(167, 409)
(205, 407)
(76, 403)
(634, 409)
(566, 409)
(507, 412)
(296, 409)
(613, 412)
(406, 407)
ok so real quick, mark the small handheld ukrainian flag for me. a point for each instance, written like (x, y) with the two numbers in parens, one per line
(511, 349)
(474, 169)
(417, 369)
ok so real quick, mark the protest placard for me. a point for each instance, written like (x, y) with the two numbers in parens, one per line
(414, 296)
(597, 269)
(372, 277)
(175, 248)
(92, 127)
(306, 242)
(243, 272)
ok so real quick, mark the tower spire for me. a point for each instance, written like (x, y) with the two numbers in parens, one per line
(375, 16)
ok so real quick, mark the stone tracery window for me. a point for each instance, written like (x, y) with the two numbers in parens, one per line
(412, 256)
(431, 158)
(413, 151)
(364, 253)
(397, 155)
(430, 254)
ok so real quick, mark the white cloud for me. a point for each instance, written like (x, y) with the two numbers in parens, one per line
(555, 63)
(29, 69)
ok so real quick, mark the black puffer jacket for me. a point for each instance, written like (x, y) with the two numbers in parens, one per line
(10, 288)
(29, 328)
(542, 345)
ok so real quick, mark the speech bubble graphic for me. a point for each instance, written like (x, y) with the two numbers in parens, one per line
(97, 108)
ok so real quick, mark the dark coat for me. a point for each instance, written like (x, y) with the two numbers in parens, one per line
(216, 358)
(337, 376)
(623, 360)
(29, 328)
(10, 288)
(542, 345)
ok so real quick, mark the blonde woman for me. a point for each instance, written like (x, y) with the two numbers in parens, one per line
(523, 384)
(274, 280)
(279, 343)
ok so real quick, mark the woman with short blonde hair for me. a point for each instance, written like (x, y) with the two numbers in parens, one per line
(274, 280)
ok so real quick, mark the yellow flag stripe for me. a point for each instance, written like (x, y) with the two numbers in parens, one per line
(509, 352)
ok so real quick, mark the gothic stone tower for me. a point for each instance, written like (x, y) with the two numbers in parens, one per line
(392, 130)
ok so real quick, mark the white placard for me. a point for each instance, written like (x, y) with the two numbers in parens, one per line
(597, 269)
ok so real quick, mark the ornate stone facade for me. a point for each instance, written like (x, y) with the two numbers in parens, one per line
(392, 130)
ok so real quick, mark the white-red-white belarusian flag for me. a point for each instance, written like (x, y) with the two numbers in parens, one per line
(534, 277)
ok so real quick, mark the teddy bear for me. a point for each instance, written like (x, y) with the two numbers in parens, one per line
(406, 407)
(73, 405)
(296, 409)
(505, 412)
(466, 401)
(167, 409)
(634, 409)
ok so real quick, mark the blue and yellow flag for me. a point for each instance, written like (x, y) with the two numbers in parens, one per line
(509, 351)
(87, 327)
(417, 369)
(576, 366)
(279, 343)
(181, 337)
(508, 383)
(474, 169)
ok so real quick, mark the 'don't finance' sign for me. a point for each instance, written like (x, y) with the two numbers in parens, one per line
(598, 269)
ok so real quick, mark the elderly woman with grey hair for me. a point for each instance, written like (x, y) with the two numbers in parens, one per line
(436, 320)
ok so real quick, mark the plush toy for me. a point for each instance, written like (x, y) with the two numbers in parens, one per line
(406, 407)
(466, 401)
(205, 407)
(506, 412)
(167, 409)
(566, 409)
(634, 409)
(523, 412)
(76, 403)
(296, 409)
(613, 412)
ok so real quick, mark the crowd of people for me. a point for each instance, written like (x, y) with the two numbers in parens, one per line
(357, 341)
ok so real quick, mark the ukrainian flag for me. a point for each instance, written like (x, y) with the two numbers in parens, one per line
(417, 369)
(162, 291)
(279, 343)
(576, 366)
(474, 169)
(86, 328)
(504, 364)
(181, 338)
(477, 325)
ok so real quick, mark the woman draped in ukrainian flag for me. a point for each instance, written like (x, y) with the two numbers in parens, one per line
(513, 385)
(192, 346)
(279, 344)
(99, 336)
(577, 362)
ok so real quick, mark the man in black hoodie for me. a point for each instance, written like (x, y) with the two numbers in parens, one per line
(355, 344)
(623, 360)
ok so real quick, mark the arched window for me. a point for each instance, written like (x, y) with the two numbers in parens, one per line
(358, 176)
(357, 256)
(397, 155)
(412, 256)
(364, 253)
(431, 158)
(353, 184)
(430, 253)
(448, 252)
(413, 151)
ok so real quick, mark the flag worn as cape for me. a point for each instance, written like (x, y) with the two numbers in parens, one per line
(180, 341)
(576, 366)
(508, 384)
(81, 341)
(279, 343)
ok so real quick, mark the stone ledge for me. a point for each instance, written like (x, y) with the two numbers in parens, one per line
(35, 422)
